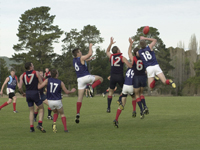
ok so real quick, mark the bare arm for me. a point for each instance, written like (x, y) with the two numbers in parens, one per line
(90, 58)
(39, 77)
(20, 84)
(88, 55)
(109, 47)
(40, 86)
(5, 82)
(130, 50)
(127, 62)
(65, 89)
(152, 44)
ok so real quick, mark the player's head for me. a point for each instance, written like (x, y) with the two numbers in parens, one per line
(46, 70)
(135, 51)
(54, 73)
(143, 44)
(115, 50)
(12, 72)
(29, 66)
(76, 52)
(41, 73)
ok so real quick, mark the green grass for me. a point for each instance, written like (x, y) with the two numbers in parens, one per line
(173, 124)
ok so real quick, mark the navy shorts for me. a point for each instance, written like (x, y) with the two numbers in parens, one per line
(116, 78)
(33, 97)
(11, 95)
(140, 81)
(43, 97)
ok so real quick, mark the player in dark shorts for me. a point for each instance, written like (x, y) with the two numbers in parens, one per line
(107, 90)
(47, 73)
(11, 82)
(117, 62)
(54, 87)
(31, 78)
(87, 91)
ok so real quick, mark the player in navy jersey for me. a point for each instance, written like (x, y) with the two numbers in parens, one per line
(139, 81)
(44, 99)
(83, 76)
(54, 88)
(127, 89)
(31, 78)
(148, 58)
(117, 62)
(87, 91)
(11, 82)
(47, 73)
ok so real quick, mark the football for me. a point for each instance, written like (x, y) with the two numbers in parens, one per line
(146, 30)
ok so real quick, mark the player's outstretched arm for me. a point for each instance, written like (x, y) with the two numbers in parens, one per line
(88, 55)
(91, 58)
(65, 89)
(5, 82)
(39, 77)
(130, 49)
(152, 44)
(127, 62)
(109, 47)
(40, 86)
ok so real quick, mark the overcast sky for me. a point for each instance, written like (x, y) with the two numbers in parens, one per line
(176, 20)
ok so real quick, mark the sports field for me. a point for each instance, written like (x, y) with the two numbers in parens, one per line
(173, 124)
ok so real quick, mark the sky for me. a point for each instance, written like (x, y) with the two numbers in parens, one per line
(176, 20)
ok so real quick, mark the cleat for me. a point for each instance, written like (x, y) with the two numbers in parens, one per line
(108, 110)
(156, 78)
(120, 104)
(146, 110)
(172, 83)
(77, 118)
(15, 111)
(91, 91)
(103, 95)
(54, 127)
(134, 114)
(41, 129)
(66, 131)
(115, 122)
(32, 130)
(50, 117)
(141, 115)
(35, 120)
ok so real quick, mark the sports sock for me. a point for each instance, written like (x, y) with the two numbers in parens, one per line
(109, 101)
(167, 82)
(32, 127)
(118, 113)
(40, 123)
(64, 122)
(152, 84)
(4, 104)
(96, 83)
(78, 107)
(49, 111)
(134, 104)
(55, 117)
(143, 100)
(14, 106)
(35, 114)
(139, 103)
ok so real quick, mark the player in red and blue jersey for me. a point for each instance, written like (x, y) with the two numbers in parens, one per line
(83, 77)
(117, 62)
(11, 82)
(148, 58)
(54, 88)
(31, 78)
(47, 73)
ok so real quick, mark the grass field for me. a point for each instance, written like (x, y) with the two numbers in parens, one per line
(173, 124)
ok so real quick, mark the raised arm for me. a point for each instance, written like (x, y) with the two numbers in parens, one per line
(152, 44)
(130, 49)
(109, 47)
(65, 89)
(5, 82)
(90, 58)
(40, 86)
(88, 55)
(127, 62)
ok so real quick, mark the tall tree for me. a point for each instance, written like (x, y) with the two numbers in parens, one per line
(193, 44)
(181, 44)
(3, 72)
(36, 35)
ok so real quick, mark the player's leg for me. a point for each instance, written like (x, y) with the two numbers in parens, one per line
(79, 104)
(40, 117)
(6, 103)
(31, 117)
(104, 94)
(138, 100)
(97, 81)
(109, 99)
(14, 104)
(63, 118)
(86, 93)
(166, 81)
(45, 101)
(134, 106)
(55, 117)
(36, 109)
(146, 110)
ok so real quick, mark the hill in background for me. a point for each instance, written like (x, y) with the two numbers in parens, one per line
(8, 61)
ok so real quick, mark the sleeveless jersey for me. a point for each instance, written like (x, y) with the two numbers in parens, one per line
(54, 89)
(129, 76)
(48, 74)
(30, 80)
(81, 70)
(148, 57)
(12, 82)
(138, 66)
(117, 63)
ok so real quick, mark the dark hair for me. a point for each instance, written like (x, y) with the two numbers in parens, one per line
(75, 51)
(54, 72)
(143, 44)
(40, 70)
(12, 69)
(115, 49)
(28, 65)
(135, 50)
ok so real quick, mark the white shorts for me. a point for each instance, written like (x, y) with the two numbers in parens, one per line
(55, 104)
(9, 90)
(83, 81)
(127, 89)
(153, 70)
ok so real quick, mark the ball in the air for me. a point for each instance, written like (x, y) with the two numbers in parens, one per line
(146, 30)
